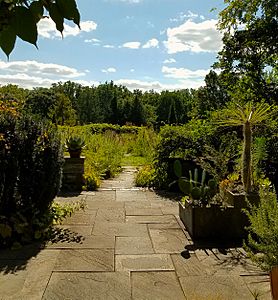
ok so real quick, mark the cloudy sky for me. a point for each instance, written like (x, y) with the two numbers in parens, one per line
(145, 44)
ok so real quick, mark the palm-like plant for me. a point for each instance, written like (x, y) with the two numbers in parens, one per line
(246, 116)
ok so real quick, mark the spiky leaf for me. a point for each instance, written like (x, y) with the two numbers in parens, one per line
(178, 168)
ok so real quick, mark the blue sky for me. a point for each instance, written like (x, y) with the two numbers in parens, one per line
(145, 44)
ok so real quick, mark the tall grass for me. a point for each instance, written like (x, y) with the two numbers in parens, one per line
(106, 152)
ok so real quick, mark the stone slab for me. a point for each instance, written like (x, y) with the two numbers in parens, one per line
(27, 279)
(95, 205)
(130, 196)
(102, 196)
(88, 260)
(258, 284)
(88, 242)
(172, 210)
(115, 215)
(144, 262)
(88, 286)
(81, 230)
(79, 218)
(224, 262)
(151, 219)
(156, 285)
(189, 266)
(143, 211)
(172, 225)
(120, 229)
(133, 245)
(215, 287)
(168, 240)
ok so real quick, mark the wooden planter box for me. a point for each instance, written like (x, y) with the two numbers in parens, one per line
(214, 223)
(73, 171)
(238, 200)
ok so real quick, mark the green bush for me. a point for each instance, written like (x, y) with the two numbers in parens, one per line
(145, 176)
(91, 181)
(262, 243)
(180, 142)
(31, 163)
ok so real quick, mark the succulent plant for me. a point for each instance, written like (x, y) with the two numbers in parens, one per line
(192, 187)
(75, 143)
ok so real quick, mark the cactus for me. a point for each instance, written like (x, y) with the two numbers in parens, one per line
(193, 188)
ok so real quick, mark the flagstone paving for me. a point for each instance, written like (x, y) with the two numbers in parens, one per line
(128, 244)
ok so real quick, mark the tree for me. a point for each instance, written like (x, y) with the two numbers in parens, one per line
(250, 45)
(51, 105)
(247, 116)
(137, 114)
(19, 18)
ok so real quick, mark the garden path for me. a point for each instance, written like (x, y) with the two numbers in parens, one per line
(128, 244)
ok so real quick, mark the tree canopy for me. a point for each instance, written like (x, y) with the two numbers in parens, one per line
(19, 18)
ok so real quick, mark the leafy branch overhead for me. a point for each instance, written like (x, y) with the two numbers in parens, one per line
(19, 18)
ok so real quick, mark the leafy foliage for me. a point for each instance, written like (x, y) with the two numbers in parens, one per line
(19, 18)
(145, 176)
(31, 162)
(246, 116)
(262, 243)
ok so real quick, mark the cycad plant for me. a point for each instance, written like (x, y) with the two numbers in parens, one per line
(246, 116)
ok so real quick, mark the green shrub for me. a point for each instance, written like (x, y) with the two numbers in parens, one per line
(31, 163)
(91, 181)
(145, 176)
(262, 243)
(180, 142)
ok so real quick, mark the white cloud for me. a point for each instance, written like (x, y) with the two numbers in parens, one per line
(30, 74)
(194, 37)
(182, 73)
(169, 61)
(93, 41)
(133, 84)
(47, 28)
(152, 43)
(109, 70)
(182, 16)
(132, 45)
(132, 70)
(34, 68)
(109, 46)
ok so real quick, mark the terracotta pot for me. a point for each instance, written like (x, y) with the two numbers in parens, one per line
(274, 282)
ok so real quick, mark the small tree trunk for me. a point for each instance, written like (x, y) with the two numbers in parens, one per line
(246, 157)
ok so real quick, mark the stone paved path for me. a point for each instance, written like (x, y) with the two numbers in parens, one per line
(128, 244)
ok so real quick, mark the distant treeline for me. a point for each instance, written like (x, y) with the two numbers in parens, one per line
(71, 103)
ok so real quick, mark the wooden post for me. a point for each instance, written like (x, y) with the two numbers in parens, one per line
(274, 282)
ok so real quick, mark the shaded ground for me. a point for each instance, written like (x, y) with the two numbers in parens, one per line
(128, 244)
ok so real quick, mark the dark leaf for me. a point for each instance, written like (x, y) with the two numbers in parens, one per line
(7, 40)
(69, 10)
(56, 16)
(25, 25)
(36, 8)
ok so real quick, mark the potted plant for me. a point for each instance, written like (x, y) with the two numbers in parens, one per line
(204, 216)
(74, 146)
(247, 117)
